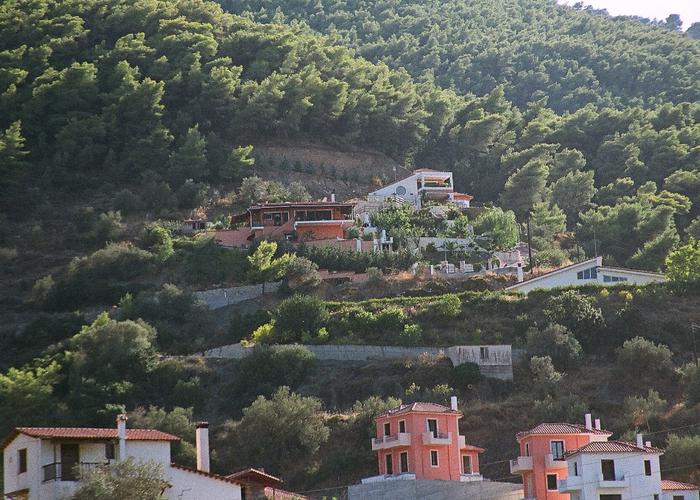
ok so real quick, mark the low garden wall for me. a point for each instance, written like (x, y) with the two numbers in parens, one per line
(222, 297)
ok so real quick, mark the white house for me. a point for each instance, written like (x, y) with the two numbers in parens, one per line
(423, 184)
(45, 463)
(588, 272)
(613, 470)
(675, 490)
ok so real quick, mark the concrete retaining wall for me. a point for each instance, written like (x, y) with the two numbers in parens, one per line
(435, 490)
(495, 361)
(222, 297)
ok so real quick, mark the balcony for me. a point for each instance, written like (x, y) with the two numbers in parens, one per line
(406, 476)
(468, 478)
(571, 484)
(437, 438)
(71, 472)
(554, 463)
(619, 481)
(520, 464)
(400, 439)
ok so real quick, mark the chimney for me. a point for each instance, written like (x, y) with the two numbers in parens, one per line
(640, 440)
(589, 422)
(647, 444)
(121, 434)
(519, 269)
(453, 403)
(597, 423)
(333, 196)
(202, 438)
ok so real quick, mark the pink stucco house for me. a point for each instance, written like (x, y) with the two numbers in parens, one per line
(422, 441)
(541, 462)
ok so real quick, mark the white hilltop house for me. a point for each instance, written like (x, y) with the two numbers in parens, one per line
(45, 463)
(424, 183)
(587, 272)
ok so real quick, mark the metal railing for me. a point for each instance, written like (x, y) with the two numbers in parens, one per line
(72, 472)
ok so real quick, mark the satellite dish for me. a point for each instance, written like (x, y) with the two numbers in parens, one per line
(401, 190)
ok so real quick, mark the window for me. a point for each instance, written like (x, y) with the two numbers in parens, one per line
(588, 274)
(22, 460)
(612, 279)
(557, 450)
(575, 468)
(610, 497)
(552, 482)
(677, 497)
(647, 467)
(432, 427)
(607, 467)
(387, 429)
(403, 461)
(434, 458)
(484, 353)
(389, 464)
(466, 464)
(527, 449)
(109, 451)
(402, 426)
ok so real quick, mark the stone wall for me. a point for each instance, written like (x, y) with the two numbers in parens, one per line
(494, 362)
(222, 297)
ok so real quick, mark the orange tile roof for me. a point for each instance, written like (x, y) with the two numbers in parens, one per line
(462, 196)
(88, 433)
(255, 475)
(471, 447)
(419, 407)
(561, 428)
(668, 484)
(612, 447)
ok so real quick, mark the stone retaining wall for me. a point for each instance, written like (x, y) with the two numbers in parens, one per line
(495, 361)
(222, 297)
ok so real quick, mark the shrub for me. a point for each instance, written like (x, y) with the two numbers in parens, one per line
(682, 451)
(447, 306)
(42, 291)
(563, 408)
(642, 360)
(578, 313)
(639, 410)
(127, 202)
(297, 315)
(302, 275)
(545, 376)
(264, 334)
(157, 240)
(204, 262)
(375, 276)
(389, 319)
(691, 383)
(352, 233)
(243, 324)
(439, 394)
(465, 374)
(556, 342)
(411, 335)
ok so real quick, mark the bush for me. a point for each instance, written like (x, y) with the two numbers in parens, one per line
(302, 275)
(682, 451)
(42, 291)
(556, 342)
(242, 324)
(642, 360)
(375, 276)
(639, 410)
(297, 315)
(691, 383)
(448, 306)
(127, 202)
(579, 314)
(545, 376)
(563, 408)
(204, 262)
(157, 240)
(465, 374)
(411, 335)
(439, 394)
(389, 319)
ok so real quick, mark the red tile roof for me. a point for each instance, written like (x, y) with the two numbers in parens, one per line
(668, 484)
(256, 476)
(471, 447)
(561, 428)
(88, 433)
(419, 407)
(462, 196)
(612, 447)
(205, 474)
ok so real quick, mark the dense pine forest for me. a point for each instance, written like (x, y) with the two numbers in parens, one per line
(120, 118)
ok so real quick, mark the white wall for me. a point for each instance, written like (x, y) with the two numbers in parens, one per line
(409, 184)
(30, 479)
(188, 485)
(686, 495)
(629, 466)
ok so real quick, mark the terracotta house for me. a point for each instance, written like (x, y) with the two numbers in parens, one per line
(542, 463)
(422, 441)
(294, 221)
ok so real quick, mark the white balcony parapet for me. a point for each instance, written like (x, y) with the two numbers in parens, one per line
(406, 476)
(438, 438)
(468, 478)
(619, 482)
(570, 484)
(400, 439)
(520, 464)
(554, 463)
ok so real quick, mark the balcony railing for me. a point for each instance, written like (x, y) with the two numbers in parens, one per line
(437, 437)
(71, 472)
(520, 464)
(617, 481)
(551, 462)
(400, 439)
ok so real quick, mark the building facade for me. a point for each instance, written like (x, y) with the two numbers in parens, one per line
(588, 272)
(541, 462)
(613, 470)
(424, 184)
(422, 441)
(676, 490)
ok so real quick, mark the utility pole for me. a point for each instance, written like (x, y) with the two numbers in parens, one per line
(529, 247)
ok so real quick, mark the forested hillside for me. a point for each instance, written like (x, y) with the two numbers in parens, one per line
(534, 48)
